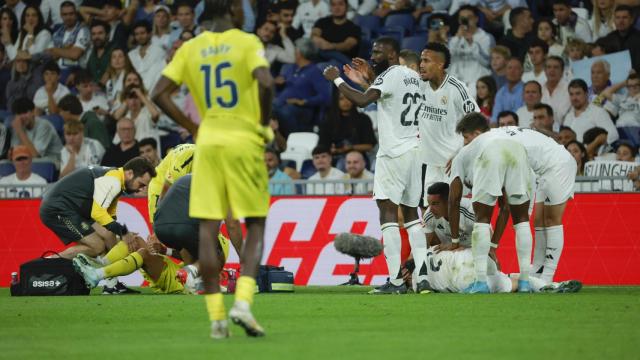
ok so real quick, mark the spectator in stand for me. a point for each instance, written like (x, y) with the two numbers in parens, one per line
(4, 140)
(5, 76)
(161, 31)
(131, 78)
(336, 36)
(537, 54)
(546, 31)
(430, 6)
(625, 107)
(308, 13)
(493, 11)
(143, 10)
(625, 37)
(508, 118)
(600, 80)
(575, 50)
(78, 151)
(53, 12)
(304, 91)
(486, 95)
(595, 141)
(70, 109)
(286, 11)
(113, 78)
(509, 97)
(584, 115)
(118, 33)
(389, 7)
(16, 7)
(37, 134)
(356, 171)
(148, 148)
(138, 108)
(285, 184)
(410, 59)
(8, 28)
(146, 58)
(543, 120)
(626, 152)
(118, 154)
(185, 16)
(532, 95)
(579, 152)
(91, 99)
(555, 90)
(26, 79)
(324, 171)
(500, 55)
(519, 38)
(70, 41)
(100, 50)
(361, 8)
(602, 18)
(439, 29)
(570, 25)
(470, 48)
(33, 37)
(566, 135)
(272, 51)
(23, 183)
(47, 97)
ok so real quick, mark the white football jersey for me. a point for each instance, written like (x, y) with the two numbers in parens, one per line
(463, 164)
(442, 228)
(438, 116)
(450, 271)
(543, 152)
(397, 108)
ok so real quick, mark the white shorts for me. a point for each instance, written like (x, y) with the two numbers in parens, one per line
(398, 179)
(503, 164)
(433, 174)
(556, 185)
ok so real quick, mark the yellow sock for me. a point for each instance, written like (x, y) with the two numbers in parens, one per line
(125, 266)
(245, 288)
(215, 306)
(118, 252)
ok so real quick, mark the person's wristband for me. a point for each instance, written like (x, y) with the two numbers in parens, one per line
(495, 246)
(455, 240)
(338, 81)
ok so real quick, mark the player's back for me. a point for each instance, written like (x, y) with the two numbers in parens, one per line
(218, 70)
(543, 152)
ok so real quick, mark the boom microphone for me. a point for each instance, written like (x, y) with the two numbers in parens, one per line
(357, 246)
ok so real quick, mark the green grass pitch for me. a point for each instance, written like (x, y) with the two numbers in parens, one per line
(329, 323)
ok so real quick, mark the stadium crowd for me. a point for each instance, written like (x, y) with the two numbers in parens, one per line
(76, 78)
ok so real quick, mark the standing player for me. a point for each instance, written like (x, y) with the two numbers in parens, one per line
(396, 89)
(447, 100)
(228, 76)
(492, 166)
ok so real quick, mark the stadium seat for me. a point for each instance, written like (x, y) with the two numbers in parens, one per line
(630, 133)
(423, 22)
(370, 22)
(299, 147)
(57, 122)
(396, 32)
(307, 170)
(404, 21)
(415, 43)
(6, 168)
(46, 169)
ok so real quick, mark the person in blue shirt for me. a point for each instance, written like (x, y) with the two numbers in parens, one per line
(279, 182)
(510, 95)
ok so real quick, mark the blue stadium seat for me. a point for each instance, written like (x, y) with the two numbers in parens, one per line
(370, 22)
(415, 43)
(57, 122)
(404, 21)
(6, 168)
(396, 32)
(288, 163)
(423, 22)
(307, 169)
(45, 169)
(630, 133)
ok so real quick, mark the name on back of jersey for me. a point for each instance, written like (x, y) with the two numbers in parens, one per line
(215, 50)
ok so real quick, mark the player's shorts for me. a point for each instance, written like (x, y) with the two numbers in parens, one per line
(557, 184)
(229, 178)
(504, 163)
(179, 236)
(398, 179)
(67, 225)
(432, 174)
(167, 282)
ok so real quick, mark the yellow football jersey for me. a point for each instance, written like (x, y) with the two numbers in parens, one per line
(218, 70)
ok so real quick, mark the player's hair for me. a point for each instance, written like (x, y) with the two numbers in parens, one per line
(472, 122)
(307, 48)
(556, 58)
(51, 66)
(544, 106)
(514, 15)
(104, 25)
(73, 127)
(389, 41)
(141, 23)
(566, 3)
(591, 134)
(70, 103)
(22, 105)
(216, 9)
(534, 83)
(441, 49)
(579, 83)
(506, 113)
(140, 166)
(321, 149)
(502, 50)
(541, 44)
(409, 56)
(441, 189)
(634, 150)
(148, 141)
(624, 7)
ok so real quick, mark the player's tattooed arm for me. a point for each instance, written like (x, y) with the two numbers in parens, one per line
(361, 99)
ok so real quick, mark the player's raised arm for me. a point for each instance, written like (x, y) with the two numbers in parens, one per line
(162, 97)
(361, 99)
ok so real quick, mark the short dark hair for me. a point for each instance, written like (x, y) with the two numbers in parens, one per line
(579, 83)
(472, 122)
(83, 77)
(104, 25)
(51, 66)
(272, 150)
(389, 41)
(22, 105)
(70, 103)
(140, 166)
(541, 44)
(506, 113)
(562, 127)
(321, 149)
(548, 108)
(534, 83)
(141, 23)
(287, 5)
(471, 8)
(627, 143)
(515, 14)
(214, 9)
(441, 49)
(624, 7)
(67, 3)
(591, 134)
(566, 3)
(556, 58)
(113, 3)
(148, 141)
(409, 56)
(441, 189)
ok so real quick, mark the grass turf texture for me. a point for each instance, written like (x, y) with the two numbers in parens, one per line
(328, 323)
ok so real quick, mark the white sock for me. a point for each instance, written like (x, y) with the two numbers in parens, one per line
(418, 248)
(524, 242)
(392, 245)
(480, 244)
(102, 260)
(536, 284)
(555, 243)
(539, 251)
(100, 273)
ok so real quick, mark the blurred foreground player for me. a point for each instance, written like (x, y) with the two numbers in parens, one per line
(228, 76)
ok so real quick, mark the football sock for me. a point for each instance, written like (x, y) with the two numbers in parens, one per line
(524, 242)
(245, 288)
(480, 245)
(418, 247)
(124, 266)
(392, 244)
(536, 284)
(118, 252)
(555, 243)
(539, 250)
(215, 306)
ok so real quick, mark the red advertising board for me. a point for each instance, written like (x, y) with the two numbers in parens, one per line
(602, 245)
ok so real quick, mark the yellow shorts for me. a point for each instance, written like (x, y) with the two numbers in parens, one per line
(167, 282)
(228, 178)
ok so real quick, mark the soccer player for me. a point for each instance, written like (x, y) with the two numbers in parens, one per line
(396, 182)
(228, 76)
(436, 218)
(446, 101)
(492, 166)
(81, 207)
